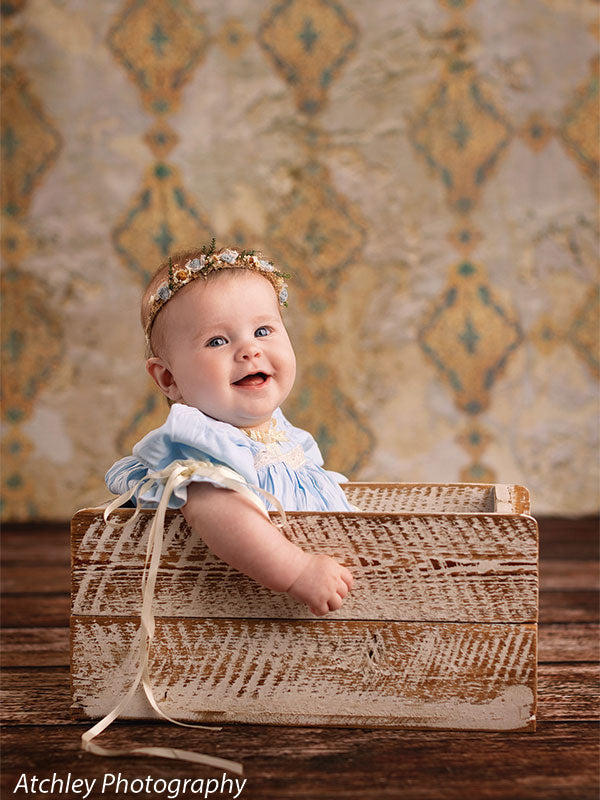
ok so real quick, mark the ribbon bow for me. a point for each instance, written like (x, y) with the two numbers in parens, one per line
(174, 475)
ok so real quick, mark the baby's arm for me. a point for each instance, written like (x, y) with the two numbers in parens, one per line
(238, 533)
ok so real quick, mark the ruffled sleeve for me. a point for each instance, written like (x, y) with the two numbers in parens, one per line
(186, 434)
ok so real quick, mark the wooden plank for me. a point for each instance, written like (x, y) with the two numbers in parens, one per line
(481, 536)
(34, 579)
(36, 611)
(566, 575)
(571, 642)
(438, 497)
(570, 538)
(510, 499)
(42, 696)
(287, 672)
(443, 567)
(31, 543)
(555, 575)
(573, 692)
(559, 763)
(37, 696)
(569, 607)
(39, 647)
(45, 647)
(215, 590)
(31, 611)
(410, 497)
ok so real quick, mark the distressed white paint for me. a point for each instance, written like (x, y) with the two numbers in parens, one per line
(469, 567)
(415, 674)
(439, 630)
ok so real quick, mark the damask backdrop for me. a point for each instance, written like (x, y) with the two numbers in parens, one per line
(427, 171)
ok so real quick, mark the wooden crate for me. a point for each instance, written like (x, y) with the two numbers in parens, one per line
(440, 630)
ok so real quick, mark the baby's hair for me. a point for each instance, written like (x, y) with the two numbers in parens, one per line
(156, 339)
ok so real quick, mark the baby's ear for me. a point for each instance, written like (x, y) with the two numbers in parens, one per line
(163, 378)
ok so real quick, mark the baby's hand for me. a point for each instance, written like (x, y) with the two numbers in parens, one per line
(322, 584)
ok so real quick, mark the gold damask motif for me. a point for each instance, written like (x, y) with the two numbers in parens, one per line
(477, 473)
(475, 439)
(31, 343)
(570, 322)
(15, 241)
(546, 334)
(30, 143)
(464, 238)
(18, 498)
(161, 139)
(536, 133)
(584, 331)
(234, 38)
(160, 44)
(308, 41)
(316, 236)
(469, 337)
(150, 413)
(461, 134)
(161, 219)
(456, 5)
(580, 130)
(31, 329)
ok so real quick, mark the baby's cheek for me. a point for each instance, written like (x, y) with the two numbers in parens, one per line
(291, 364)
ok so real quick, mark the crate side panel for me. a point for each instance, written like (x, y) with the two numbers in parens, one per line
(480, 568)
(455, 676)
(431, 497)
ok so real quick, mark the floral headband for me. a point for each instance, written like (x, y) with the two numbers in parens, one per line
(210, 261)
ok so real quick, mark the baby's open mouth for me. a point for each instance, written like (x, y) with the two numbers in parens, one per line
(255, 379)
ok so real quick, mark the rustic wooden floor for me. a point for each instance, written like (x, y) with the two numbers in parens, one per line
(560, 760)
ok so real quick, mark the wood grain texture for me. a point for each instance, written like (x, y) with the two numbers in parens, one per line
(439, 629)
(45, 647)
(42, 647)
(438, 497)
(48, 611)
(42, 696)
(438, 567)
(559, 763)
(569, 575)
(554, 575)
(326, 672)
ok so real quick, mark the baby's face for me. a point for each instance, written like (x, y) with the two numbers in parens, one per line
(228, 350)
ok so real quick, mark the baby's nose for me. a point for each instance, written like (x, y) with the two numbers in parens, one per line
(249, 350)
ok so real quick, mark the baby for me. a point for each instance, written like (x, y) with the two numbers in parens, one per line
(219, 351)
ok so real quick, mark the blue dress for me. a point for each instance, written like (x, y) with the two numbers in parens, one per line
(289, 465)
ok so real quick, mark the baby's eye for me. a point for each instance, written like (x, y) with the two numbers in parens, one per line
(217, 341)
(262, 331)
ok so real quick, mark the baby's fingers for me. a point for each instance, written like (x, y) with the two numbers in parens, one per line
(346, 576)
(334, 602)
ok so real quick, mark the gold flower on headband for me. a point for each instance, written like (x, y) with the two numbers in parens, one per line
(210, 261)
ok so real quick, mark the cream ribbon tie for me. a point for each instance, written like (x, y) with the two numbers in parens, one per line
(174, 475)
